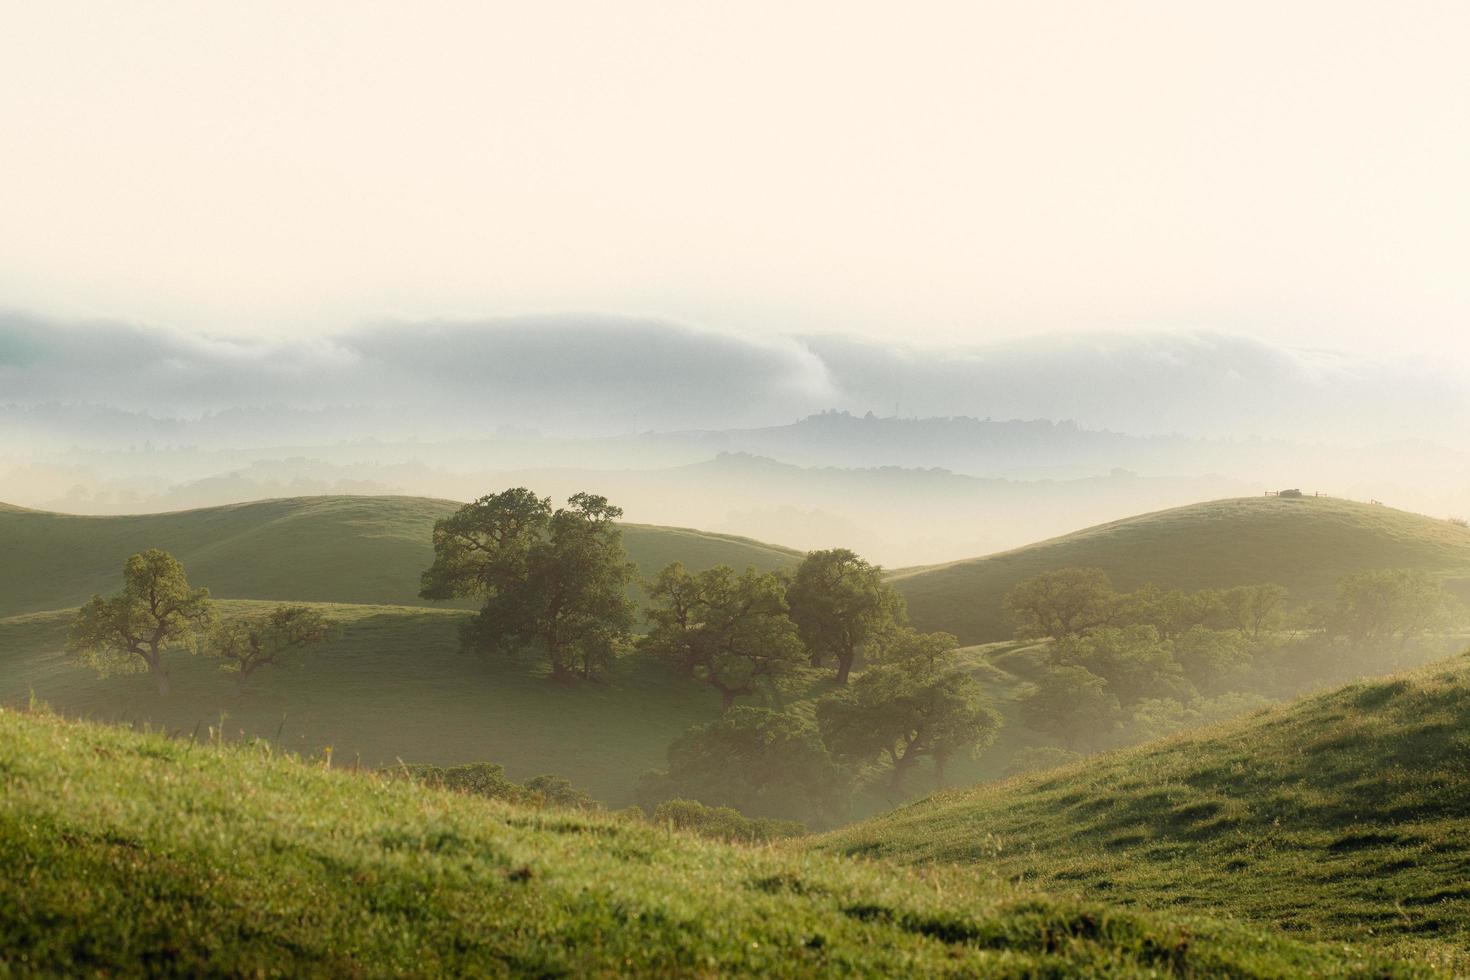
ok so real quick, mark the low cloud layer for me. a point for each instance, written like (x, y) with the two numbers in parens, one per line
(601, 375)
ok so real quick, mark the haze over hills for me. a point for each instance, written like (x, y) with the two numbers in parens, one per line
(903, 491)
(591, 375)
(460, 407)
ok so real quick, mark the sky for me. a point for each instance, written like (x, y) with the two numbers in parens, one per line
(929, 173)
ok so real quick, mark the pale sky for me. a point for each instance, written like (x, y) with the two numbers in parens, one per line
(920, 171)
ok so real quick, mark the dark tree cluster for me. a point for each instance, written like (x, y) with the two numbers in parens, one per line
(744, 633)
(554, 580)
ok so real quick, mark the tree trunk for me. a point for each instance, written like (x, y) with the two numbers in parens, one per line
(240, 678)
(727, 699)
(161, 676)
(900, 769)
(844, 667)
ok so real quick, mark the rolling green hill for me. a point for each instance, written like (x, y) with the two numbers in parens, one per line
(1340, 816)
(308, 549)
(393, 686)
(1304, 544)
(129, 854)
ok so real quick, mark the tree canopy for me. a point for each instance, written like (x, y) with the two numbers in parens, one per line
(156, 611)
(555, 580)
(1064, 602)
(275, 639)
(1386, 606)
(1134, 660)
(730, 631)
(840, 603)
(914, 704)
(1073, 704)
(763, 763)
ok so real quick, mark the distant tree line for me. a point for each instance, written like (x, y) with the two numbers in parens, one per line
(1120, 667)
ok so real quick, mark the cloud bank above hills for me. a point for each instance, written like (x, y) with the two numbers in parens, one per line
(597, 374)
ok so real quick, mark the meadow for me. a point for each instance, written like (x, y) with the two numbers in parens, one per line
(124, 853)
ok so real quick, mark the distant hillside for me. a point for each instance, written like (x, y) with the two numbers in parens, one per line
(126, 854)
(1304, 544)
(1344, 816)
(983, 447)
(312, 549)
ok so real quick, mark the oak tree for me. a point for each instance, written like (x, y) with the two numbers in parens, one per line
(276, 639)
(156, 611)
(730, 631)
(555, 580)
(914, 704)
(840, 603)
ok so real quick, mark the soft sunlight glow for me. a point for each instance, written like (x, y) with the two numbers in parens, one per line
(955, 172)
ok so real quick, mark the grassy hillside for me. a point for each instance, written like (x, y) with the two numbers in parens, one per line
(127, 854)
(1342, 816)
(1304, 544)
(310, 549)
(393, 686)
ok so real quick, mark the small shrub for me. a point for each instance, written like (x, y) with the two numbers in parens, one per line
(1038, 757)
(1458, 521)
(489, 780)
(723, 822)
(549, 790)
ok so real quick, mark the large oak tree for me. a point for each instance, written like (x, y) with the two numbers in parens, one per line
(730, 631)
(555, 580)
(840, 604)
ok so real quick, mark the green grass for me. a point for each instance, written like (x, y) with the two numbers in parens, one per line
(1304, 544)
(367, 550)
(393, 686)
(1344, 816)
(130, 854)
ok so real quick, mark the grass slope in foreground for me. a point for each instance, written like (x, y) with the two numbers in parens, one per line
(367, 550)
(1305, 544)
(1340, 816)
(128, 854)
